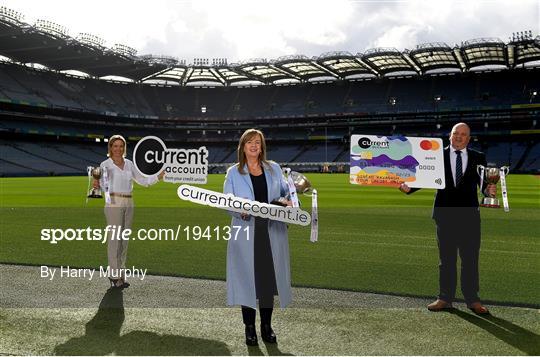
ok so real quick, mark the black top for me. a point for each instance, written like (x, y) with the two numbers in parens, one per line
(260, 189)
(265, 280)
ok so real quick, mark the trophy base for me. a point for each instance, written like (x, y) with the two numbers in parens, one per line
(490, 202)
(94, 193)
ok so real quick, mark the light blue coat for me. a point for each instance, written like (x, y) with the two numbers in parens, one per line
(240, 252)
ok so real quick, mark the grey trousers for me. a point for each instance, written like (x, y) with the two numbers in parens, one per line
(118, 213)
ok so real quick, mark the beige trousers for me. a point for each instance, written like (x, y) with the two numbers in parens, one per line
(118, 213)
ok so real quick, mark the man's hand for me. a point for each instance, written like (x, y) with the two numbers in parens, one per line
(491, 190)
(404, 188)
(161, 175)
(95, 183)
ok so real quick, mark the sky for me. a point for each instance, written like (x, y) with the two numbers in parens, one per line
(241, 30)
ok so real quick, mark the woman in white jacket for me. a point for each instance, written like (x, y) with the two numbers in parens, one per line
(118, 181)
(258, 266)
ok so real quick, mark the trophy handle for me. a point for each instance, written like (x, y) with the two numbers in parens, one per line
(479, 169)
(505, 170)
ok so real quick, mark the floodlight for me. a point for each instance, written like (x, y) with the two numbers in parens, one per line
(90, 39)
(51, 28)
(10, 15)
(124, 50)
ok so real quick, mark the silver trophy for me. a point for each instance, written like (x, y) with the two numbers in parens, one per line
(96, 173)
(302, 184)
(491, 174)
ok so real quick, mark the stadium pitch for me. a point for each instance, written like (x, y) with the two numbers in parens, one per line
(351, 323)
(371, 240)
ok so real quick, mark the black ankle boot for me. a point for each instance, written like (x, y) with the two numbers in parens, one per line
(251, 335)
(268, 334)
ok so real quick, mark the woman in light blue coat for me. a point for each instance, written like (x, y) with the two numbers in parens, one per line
(258, 266)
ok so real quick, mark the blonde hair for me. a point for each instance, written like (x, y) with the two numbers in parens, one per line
(111, 142)
(247, 136)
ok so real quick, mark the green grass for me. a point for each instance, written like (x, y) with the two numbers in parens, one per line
(300, 332)
(370, 239)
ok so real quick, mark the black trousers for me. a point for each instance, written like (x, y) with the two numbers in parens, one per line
(265, 278)
(248, 313)
(458, 232)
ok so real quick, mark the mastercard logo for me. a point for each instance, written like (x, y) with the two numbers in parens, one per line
(430, 145)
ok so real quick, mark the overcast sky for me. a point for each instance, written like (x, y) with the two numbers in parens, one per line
(245, 29)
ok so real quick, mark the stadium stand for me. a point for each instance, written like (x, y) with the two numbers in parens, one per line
(455, 92)
(307, 107)
(22, 158)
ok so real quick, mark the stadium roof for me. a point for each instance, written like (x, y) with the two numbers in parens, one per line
(432, 56)
(388, 60)
(50, 45)
(484, 51)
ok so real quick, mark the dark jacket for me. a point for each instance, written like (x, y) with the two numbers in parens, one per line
(466, 193)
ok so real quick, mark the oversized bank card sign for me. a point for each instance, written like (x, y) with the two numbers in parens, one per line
(393, 160)
(151, 156)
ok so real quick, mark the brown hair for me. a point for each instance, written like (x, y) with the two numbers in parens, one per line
(111, 142)
(247, 136)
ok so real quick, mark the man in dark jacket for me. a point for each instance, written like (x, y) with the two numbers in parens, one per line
(457, 217)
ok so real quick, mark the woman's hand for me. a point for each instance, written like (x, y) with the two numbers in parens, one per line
(245, 216)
